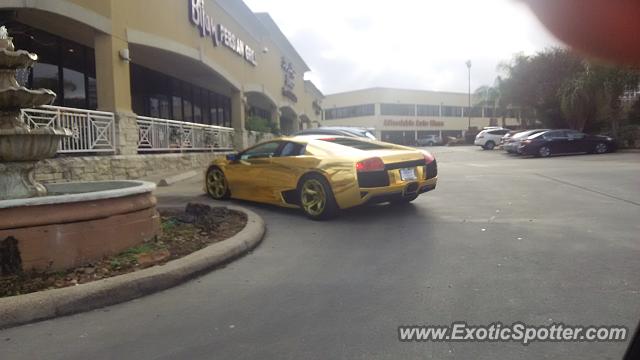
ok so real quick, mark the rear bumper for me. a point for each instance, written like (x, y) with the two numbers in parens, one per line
(396, 191)
(527, 150)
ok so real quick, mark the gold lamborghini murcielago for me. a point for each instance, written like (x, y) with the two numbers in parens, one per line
(322, 174)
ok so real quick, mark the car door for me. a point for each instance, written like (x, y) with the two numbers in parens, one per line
(577, 142)
(496, 135)
(557, 141)
(247, 176)
(287, 167)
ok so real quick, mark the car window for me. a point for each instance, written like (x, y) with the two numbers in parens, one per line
(362, 145)
(261, 151)
(521, 135)
(575, 135)
(555, 135)
(498, 132)
(292, 149)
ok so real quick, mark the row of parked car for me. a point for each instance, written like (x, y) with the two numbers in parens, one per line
(544, 142)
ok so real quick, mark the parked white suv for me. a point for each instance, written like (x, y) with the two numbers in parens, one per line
(489, 138)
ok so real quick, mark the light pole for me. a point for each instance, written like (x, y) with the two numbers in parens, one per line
(469, 114)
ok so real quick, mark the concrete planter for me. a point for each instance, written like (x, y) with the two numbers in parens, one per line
(79, 222)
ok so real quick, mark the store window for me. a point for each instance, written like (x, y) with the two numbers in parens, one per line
(455, 111)
(66, 67)
(157, 95)
(428, 110)
(398, 109)
(350, 111)
(475, 111)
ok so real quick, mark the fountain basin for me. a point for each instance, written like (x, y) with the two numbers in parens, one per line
(30, 145)
(10, 59)
(79, 222)
(16, 98)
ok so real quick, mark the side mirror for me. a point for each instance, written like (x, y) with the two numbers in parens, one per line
(233, 157)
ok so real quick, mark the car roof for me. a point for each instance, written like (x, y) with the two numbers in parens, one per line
(334, 130)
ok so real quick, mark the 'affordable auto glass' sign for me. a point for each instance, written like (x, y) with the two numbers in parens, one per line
(218, 32)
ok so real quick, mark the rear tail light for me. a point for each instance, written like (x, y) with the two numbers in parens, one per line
(372, 164)
(428, 158)
(526, 142)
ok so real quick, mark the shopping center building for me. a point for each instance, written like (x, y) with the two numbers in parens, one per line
(157, 84)
(403, 116)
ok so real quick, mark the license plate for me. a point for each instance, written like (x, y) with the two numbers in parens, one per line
(408, 174)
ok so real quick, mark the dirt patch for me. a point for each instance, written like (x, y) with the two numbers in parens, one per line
(183, 232)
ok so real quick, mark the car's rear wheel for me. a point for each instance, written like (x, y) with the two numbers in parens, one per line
(316, 198)
(601, 148)
(216, 184)
(544, 151)
(489, 145)
(430, 143)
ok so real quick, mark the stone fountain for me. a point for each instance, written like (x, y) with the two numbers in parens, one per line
(57, 226)
(21, 147)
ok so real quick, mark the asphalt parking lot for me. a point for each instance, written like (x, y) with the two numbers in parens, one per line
(501, 239)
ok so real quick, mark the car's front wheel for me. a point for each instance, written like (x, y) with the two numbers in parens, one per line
(489, 145)
(316, 197)
(216, 184)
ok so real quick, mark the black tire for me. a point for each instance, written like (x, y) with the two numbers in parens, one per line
(430, 143)
(489, 145)
(316, 182)
(214, 190)
(544, 151)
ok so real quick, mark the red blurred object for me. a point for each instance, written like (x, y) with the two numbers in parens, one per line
(428, 158)
(372, 164)
(605, 29)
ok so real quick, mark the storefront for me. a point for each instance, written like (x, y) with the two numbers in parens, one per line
(403, 116)
(160, 76)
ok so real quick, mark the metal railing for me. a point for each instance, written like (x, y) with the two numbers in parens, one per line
(170, 135)
(93, 131)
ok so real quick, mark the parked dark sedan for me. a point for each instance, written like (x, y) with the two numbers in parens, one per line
(554, 142)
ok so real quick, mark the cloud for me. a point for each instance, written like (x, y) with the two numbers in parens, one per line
(421, 44)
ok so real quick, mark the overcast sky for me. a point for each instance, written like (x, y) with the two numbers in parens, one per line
(418, 44)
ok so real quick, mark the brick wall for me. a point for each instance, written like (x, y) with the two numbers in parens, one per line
(119, 167)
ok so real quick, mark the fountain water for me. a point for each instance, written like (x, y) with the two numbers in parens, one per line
(57, 226)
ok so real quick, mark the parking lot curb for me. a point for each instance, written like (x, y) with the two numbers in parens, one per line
(22, 309)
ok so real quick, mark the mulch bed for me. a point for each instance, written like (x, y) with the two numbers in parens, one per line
(183, 232)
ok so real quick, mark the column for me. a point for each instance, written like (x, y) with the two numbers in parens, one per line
(240, 140)
(114, 94)
(275, 120)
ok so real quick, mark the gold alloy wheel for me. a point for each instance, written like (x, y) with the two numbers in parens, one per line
(216, 183)
(313, 197)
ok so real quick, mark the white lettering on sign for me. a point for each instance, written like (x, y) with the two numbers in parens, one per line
(219, 33)
(413, 123)
(289, 79)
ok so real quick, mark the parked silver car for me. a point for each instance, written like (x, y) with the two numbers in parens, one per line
(429, 140)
